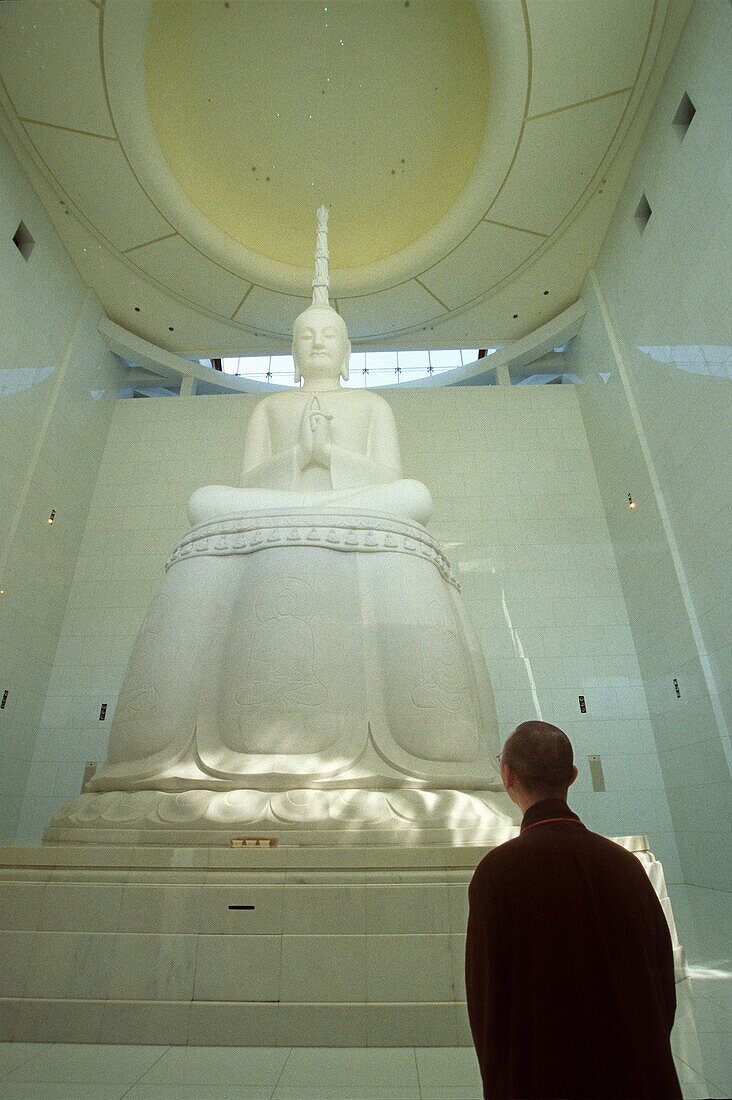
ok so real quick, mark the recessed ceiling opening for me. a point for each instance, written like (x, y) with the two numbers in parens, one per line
(683, 117)
(23, 241)
(642, 214)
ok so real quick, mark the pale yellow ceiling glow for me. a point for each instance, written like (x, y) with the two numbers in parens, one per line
(266, 108)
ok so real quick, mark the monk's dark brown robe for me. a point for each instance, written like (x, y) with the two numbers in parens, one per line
(569, 968)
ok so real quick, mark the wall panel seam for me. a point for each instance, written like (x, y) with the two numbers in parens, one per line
(665, 517)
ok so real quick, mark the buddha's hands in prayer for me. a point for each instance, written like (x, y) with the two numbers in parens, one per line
(314, 440)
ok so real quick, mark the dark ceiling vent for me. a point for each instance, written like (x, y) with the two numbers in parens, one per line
(683, 118)
(642, 214)
(23, 241)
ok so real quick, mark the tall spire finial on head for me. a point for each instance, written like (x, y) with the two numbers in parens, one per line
(321, 281)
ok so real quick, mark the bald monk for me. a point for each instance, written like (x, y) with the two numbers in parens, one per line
(569, 963)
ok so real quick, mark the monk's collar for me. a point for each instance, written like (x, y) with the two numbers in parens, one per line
(549, 808)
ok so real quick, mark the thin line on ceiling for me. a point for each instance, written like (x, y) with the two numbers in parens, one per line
(247, 292)
(529, 80)
(569, 216)
(105, 89)
(156, 240)
(66, 129)
(432, 293)
(580, 103)
(518, 228)
(529, 77)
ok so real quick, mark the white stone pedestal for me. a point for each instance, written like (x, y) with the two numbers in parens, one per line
(252, 946)
(395, 818)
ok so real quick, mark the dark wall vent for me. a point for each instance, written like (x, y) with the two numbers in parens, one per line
(23, 241)
(683, 117)
(642, 214)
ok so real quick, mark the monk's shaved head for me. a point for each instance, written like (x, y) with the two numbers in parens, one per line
(541, 756)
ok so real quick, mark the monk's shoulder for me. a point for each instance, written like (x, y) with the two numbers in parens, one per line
(499, 861)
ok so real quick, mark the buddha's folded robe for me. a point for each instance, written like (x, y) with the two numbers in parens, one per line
(305, 649)
(362, 465)
(403, 498)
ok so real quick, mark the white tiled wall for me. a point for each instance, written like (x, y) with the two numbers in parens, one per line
(516, 505)
(655, 351)
(54, 375)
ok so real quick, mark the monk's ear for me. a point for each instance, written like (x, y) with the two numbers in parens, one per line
(575, 773)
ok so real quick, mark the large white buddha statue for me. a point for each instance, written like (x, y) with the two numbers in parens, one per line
(319, 445)
(308, 656)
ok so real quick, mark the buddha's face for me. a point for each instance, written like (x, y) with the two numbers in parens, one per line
(320, 345)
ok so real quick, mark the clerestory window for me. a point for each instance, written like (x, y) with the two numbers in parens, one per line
(367, 368)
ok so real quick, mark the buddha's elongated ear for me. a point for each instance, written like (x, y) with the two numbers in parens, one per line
(298, 376)
(346, 357)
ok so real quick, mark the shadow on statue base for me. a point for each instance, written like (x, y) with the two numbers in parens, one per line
(299, 818)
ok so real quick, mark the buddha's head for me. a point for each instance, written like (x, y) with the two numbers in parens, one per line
(320, 344)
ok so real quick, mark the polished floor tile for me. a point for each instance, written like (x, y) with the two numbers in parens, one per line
(352, 1092)
(319, 1068)
(452, 1092)
(37, 1071)
(87, 1064)
(143, 1091)
(447, 1067)
(693, 1085)
(219, 1066)
(13, 1055)
(716, 1048)
(59, 1090)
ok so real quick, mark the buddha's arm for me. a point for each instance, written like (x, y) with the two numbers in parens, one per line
(261, 469)
(348, 468)
(383, 442)
(382, 462)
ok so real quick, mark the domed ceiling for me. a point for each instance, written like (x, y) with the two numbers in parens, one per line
(471, 154)
(377, 109)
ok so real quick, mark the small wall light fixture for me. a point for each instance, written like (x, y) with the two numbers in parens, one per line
(52, 515)
(4, 699)
(631, 502)
(596, 773)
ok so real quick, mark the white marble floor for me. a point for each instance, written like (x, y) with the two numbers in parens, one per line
(704, 919)
(38, 1071)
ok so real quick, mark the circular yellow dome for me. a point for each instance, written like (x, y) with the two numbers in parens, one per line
(265, 109)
